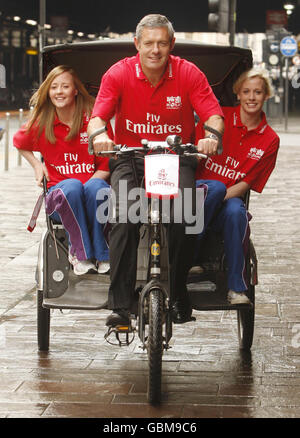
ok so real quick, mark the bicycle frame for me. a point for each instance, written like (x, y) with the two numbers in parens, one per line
(157, 235)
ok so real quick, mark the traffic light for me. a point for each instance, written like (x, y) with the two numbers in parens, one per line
(218, 18)
(271, 53)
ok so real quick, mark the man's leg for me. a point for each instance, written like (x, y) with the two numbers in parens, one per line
(182, 244)
(123, 243)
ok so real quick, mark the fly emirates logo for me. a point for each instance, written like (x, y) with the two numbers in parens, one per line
(72, 166)
(229, 170)
(152, 125)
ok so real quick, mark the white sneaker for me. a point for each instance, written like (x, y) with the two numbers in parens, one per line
(237, 297)
(196, 270)
(81, 267)
(103, 267)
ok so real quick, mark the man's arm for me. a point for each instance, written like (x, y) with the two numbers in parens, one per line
(209, 145)
(101, 142)
(216, 122)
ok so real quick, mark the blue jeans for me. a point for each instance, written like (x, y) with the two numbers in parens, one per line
(75, 205)
(231, 219)
(233, 222)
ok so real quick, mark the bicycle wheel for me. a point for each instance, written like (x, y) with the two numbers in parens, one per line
(245, 318)
(155, 345)
(43, 323)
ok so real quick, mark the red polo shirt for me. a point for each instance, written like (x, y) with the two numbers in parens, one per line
(248, 156)
(143, 111)
(63, 159)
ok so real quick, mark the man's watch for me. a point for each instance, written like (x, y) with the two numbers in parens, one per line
(212, 136)
(216, 135)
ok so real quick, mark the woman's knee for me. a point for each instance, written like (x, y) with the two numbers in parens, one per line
(235, 210)
(213, 188)
(92, 186)
(71, 187)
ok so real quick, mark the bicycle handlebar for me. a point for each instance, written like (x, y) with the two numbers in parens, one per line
(91, 138)
(172, 142)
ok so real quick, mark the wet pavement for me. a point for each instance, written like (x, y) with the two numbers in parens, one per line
(205, 375)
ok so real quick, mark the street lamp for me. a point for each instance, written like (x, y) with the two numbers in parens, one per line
(289, 6)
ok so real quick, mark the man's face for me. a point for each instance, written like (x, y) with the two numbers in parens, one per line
(154, 48)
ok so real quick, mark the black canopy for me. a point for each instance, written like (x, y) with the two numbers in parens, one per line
(221, 64)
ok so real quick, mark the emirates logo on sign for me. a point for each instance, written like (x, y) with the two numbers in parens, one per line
(162, 175)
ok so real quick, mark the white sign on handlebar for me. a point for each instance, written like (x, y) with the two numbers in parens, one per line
(162, 175)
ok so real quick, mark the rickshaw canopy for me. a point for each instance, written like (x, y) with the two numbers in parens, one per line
(221, 64)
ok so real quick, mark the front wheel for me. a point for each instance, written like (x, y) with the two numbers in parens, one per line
(155, 345)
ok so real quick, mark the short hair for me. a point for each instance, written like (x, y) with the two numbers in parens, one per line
(254, 73)
(153, 21)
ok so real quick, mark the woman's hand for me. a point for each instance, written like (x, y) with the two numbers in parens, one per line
(40, 171)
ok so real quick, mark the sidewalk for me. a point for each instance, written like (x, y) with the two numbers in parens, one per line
(204, 374)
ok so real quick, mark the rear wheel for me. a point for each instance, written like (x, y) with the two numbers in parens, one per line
(155, 345)
(245, 318)
(43, 323)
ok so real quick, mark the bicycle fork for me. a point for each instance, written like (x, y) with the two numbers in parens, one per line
(155, 280)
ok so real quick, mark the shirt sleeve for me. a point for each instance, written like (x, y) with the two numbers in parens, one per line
(108, 94)
(202, 96)
(101, 163)
(26, 140)
(259, 174)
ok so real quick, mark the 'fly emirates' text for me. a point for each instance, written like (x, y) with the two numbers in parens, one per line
(68, 169)
(225, 171)
(152, 126)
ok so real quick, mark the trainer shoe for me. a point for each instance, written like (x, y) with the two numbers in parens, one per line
(103, 267)
(195, 270)
(81, 267)
(237, 297)
(182, 312)
(118, 317)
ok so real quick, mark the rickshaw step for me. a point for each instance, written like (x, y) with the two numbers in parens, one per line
(206, 296)
(80, 295)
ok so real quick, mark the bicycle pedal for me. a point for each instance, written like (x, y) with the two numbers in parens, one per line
(120, 334)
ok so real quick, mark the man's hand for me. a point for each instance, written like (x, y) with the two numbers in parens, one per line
(102, 143)
(207, 146)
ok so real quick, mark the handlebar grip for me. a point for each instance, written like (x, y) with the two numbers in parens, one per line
(91, 138)
(219, 135)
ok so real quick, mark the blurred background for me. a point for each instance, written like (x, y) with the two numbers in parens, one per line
(28, 25)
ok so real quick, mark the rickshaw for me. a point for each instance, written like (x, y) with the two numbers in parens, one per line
(59, 288)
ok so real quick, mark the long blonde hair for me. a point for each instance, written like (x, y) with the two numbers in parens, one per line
(43, 112)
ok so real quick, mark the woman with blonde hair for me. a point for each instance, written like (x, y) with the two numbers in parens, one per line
(57, 128)
(250, 148)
